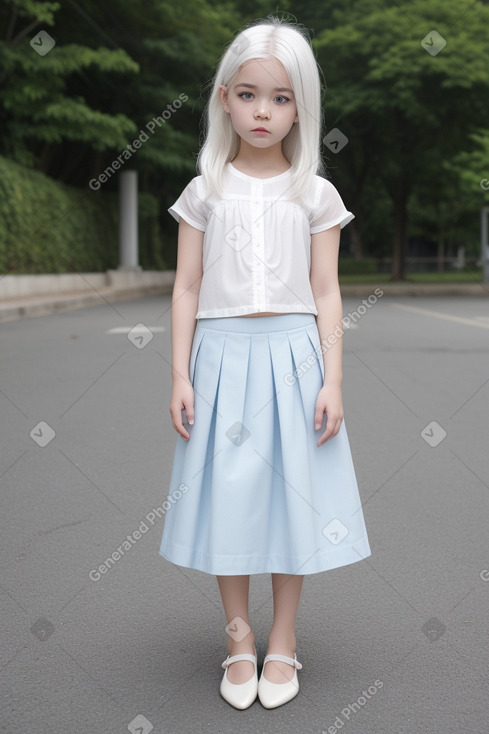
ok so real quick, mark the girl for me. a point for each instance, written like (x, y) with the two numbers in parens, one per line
(263, 479)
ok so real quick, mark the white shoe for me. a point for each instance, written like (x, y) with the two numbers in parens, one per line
(240, 695)
(275, 694)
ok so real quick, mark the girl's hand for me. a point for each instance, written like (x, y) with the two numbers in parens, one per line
(329, 401)
(182, 398)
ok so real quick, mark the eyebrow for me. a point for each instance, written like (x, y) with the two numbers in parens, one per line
(253, 86)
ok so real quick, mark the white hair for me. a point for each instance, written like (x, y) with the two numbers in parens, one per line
(287, 42)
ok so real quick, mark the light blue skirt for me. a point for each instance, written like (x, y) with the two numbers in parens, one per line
(250, 491)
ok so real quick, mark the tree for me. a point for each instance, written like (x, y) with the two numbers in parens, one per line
(404, 102)
(38, 110)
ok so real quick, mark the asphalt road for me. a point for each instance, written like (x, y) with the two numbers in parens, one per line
(396, 643)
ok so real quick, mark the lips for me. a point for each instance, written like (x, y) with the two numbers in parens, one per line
(260, 130)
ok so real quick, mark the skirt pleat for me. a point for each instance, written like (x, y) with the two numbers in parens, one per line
(252, 493)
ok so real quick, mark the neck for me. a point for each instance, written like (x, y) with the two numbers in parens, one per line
(261, 159)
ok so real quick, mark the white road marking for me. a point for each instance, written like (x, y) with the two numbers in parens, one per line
(134, 329)
(439, 315)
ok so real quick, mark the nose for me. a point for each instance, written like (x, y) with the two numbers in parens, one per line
(262, 110)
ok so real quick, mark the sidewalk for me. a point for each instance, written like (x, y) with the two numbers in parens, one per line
(122, 286)
(31, 295)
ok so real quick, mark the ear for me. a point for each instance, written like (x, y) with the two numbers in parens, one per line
(223, 95)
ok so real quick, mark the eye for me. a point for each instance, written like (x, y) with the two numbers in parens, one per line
(279, 96)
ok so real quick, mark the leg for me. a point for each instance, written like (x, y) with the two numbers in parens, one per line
(286, 596)
(234, 593)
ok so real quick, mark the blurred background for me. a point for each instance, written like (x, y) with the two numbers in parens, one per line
(84, 84)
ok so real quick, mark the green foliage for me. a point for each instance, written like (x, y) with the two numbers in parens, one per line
(408, 114)
(356, 266)
(36, 101)
(42, 11)
(49, 227)
(471, 167)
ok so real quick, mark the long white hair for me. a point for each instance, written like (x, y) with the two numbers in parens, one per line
(289, 43)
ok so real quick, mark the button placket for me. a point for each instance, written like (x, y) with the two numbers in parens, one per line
(258, 244)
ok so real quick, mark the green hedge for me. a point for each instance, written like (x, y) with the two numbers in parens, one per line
(49, 227)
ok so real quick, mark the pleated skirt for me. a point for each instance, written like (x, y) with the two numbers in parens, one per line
(250, 491)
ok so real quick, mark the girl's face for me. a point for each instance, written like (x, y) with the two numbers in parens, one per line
(261, 96)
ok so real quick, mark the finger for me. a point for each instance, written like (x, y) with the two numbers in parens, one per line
(336, 427)
(318, 418)
(332, 428)
(177, 423)
(189, 411)
(182, 431)
(323, 438)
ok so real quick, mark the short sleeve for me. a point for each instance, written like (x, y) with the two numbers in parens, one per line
(329, 209)
(190, 206)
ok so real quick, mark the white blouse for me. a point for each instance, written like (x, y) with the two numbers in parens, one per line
(256, 247)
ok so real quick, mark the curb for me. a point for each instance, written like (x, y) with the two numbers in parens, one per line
(16, 308)
(41, 305)
(416, 289)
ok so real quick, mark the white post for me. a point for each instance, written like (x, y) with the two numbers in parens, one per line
(485, 243)
(128, 221)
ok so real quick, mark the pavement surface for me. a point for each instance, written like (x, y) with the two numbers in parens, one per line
(396, 643)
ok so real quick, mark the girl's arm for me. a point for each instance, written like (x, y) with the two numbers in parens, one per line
(188, 278)
(326, 290)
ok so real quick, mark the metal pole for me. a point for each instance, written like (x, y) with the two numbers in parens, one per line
(128, 221)
(485, 243)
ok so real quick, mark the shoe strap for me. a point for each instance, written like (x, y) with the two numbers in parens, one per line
(283, 659)
(241, 656)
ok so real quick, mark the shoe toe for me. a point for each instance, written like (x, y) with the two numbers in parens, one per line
(276, 694)
(239, 695)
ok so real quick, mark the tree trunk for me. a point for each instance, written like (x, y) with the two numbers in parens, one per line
(400, 231)
(45, 158)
